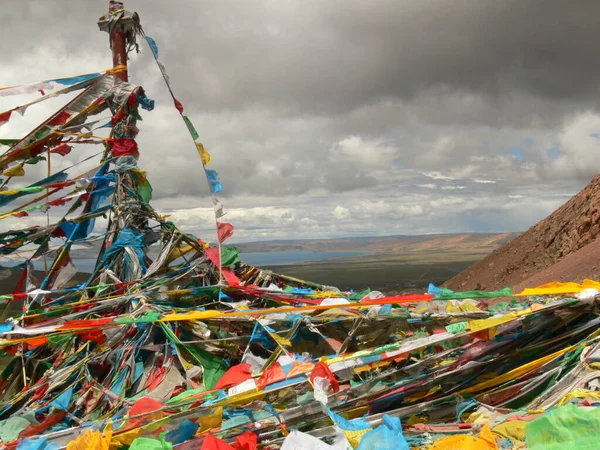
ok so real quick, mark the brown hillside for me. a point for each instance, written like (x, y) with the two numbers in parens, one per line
(568, 229)
(584, 263)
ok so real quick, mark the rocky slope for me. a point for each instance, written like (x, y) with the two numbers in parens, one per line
(533, 257)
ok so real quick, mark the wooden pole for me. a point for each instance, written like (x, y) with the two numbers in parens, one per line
(116, 24)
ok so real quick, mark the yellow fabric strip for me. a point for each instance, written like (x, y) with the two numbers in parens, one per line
(516, 373)
(204, 155)
(557, 287)
(482, 324)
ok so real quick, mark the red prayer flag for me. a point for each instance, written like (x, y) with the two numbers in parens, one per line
(21, 284)
(50, 420)
(60, 119)
(178, 105)
(213, 255)
(224, 231)
(93, 335)
(123, 146)
(234, 376)
(37, 342)
(60, 201)
(213, 443)
(246, 441)
(85, 323)
(145, 406)
(322, 370)
(272, 375)
(117, 117)
(5, 117)
(62, 149)
(230, 276)
(132, 100)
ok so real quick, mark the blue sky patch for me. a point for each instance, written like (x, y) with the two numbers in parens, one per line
(517, 153)
(554, 152)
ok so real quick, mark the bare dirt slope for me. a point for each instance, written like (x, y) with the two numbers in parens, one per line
(584, 263)
(555, 240)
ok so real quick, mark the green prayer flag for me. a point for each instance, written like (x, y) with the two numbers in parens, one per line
(448, 295)
(59, 340)
(32, 189)
(565, 427)
(145, 191)
(498, 307)
(190, 127)
(214, 367)
(359, 295)
(456, 327)
(10, 428)
(42, 133)
(148, 316)
(35, 159)
(185, 394)
(142, 443)
(229, 256)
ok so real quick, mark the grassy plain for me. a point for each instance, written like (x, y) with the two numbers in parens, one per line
(389, 273)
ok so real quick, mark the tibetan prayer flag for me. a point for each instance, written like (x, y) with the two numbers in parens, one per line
(218, 208)
(234, 376)
(190, 127)
(178, 105)
(18, 171)
(62, 401)
(62, 149)
(59, 119)
(153, 46)
(213, 180)
(322, 370)
(77, 79)
(5, 117)
(230, 256)
(35, 159)
(123, 147)
(204, 155)
(224, 231)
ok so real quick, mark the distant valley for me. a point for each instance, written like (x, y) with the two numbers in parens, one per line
(468, 243)
(387, 263)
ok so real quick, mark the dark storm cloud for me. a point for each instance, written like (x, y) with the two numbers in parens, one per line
(344, 117)
(334, 56)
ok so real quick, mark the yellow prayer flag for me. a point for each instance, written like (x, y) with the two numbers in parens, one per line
(557, 287)
(92, 439)
(192, 315)
(15, 171)
(516, 373)
(204, 155)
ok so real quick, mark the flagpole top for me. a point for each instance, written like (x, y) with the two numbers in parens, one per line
(117, 19)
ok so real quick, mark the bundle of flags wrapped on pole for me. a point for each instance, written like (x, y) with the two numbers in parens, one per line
(188, 347)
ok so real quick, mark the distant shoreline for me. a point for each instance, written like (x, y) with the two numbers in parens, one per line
(389, 273)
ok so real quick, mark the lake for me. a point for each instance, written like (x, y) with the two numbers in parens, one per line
(255, 258)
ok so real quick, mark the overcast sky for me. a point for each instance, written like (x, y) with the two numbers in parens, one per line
(340, 118)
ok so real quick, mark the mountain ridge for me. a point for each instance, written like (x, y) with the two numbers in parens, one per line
(531, 255)
(478, 242)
